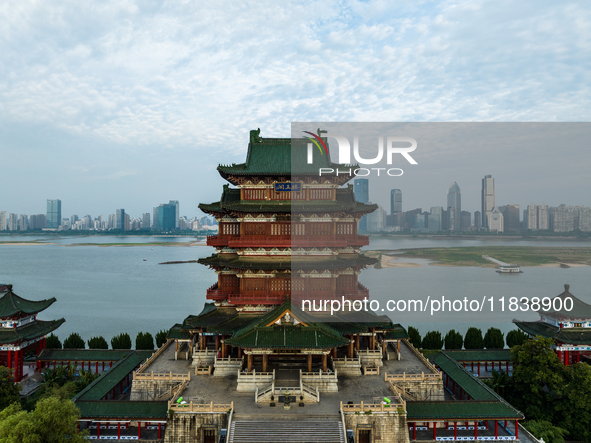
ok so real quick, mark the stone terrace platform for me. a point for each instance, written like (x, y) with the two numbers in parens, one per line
(222, 390)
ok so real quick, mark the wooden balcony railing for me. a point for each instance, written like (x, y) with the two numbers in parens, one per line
(245, 241)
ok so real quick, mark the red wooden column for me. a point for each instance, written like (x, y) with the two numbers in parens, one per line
(516, 429)
(578, 358)
(159, 431)
(414, 430)
(479, 369)
(566, 358)
(434, 430)
(9, 360)
(119, 430)
(98, 430)
(96, 367)
(455, 430)
(475, 430)
(139, 430)
(496, 429)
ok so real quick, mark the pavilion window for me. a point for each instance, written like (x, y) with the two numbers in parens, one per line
(321, 229)
(320, 194)
(254, 228)
(345, 229)
(255, 194)
(298, 284)
(230, 228)
(280, 228)
(298, 229)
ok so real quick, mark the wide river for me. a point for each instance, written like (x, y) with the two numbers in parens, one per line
(108, 290)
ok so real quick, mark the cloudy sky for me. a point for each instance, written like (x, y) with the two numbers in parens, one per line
(128, 104)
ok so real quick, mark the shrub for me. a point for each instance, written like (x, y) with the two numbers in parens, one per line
(53, 342)
(433, 340)
(414, 337)
(454, 340)
(473, 339)
(161, 338)
(98, 343)
(516, 337)
(493, 339)
(121, 341)
(145, 341)
(74, 341)
(546, 430)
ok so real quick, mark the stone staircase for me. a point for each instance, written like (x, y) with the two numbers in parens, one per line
(299, 430)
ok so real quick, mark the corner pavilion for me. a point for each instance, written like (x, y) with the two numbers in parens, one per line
(20, 331)
(569, 326)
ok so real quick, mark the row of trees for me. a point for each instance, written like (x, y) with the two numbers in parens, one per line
(493, 339)
(143, 341)
(556, 399)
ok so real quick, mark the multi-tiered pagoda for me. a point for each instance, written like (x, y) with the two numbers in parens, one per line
(286, 234)
(20, 331)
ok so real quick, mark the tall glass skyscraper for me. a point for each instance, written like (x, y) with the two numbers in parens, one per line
(166, 217)
(454, 207)
(488, 198)
(395, 201)
(54, 213)
(175, 203)
(120, 219)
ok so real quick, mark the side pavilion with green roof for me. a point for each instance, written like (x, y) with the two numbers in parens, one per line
(568, 322)
(20, 331)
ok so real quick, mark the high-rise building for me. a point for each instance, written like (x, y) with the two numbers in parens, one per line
(564, 219)
(435, 219)
(146, 220)
(120, 219)
(175, 203)
(454, 207)
(488, 198)
(510, 217)
(477, 220)
(543, 222)
(54, 213)
(495, 220)
(361, 192)
(376, 220)
(466, 220)
(166, 217)
(3, 221)
(23, 223)
(532, 217)
(127, 223)
(395, 201)
(13, 222)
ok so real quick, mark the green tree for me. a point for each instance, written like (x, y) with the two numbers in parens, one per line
(432, 340)
(144, 340)
(98, 343)
(516, 337)
(52, 420)
(546, 430)
(53, 342)
(453, 340)
(74, 341)
(493, 339)
(86, 378)
(161, 338)
(574, 408)
(8, 388)
(473, 339)
(414, 337)
(121, 341)
(539, 378)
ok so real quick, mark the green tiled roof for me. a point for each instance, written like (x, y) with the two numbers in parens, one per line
(313, 335)
(480, 355)
(123, 409)
(280, 156)
(287, 263)
(29, 331)
(230, 202)
(11, 304)
(176, 332)
(88, 354)
(574, 336)
(109, 379)
(211, 317)
(470, 384)
(460, 410)
(580, 310)
(397, 333)
(239, 321)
